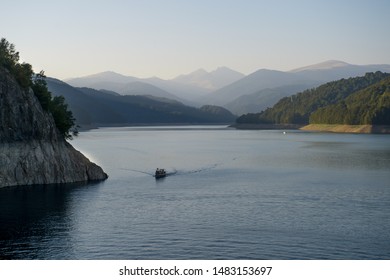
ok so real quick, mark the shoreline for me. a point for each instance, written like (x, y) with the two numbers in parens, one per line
(83, 128)
(255, 126)
(331, 128)
(334, 128)
(345, 128)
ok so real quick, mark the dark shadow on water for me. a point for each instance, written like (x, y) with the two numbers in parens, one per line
(29, 214)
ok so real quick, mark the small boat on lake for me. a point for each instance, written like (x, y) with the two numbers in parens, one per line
(160, 173)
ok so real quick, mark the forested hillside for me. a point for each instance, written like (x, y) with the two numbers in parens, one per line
(101, 108)
(360, 100)
(368, 106)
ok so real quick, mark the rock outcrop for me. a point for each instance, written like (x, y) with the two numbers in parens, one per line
(32, 150)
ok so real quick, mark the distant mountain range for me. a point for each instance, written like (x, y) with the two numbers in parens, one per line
(93, 108)
(271, 85)
(184, 88)
(228, 88)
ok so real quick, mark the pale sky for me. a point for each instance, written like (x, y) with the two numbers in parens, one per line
(166, 38)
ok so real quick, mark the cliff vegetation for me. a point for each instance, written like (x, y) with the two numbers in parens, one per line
(33, 128)
(24, 75)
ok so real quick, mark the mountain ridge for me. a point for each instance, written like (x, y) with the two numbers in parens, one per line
(353, 101)
(189, 89)
(212, 80)
(328, 64)
(94, 108)
(232, 95)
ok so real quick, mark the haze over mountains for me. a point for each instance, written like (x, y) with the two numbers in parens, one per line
(256, 87)
(94, 108)
(228, 88)
(213, 80)
(185, 88)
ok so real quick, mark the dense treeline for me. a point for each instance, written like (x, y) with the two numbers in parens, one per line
(360, 100)
(368, 106)
(24, 75)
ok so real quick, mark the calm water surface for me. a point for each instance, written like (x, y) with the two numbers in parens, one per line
(231, 194)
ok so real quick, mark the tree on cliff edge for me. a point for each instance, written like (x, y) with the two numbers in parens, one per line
(24, 75)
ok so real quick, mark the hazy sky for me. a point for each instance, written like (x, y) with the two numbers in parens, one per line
(166, 38)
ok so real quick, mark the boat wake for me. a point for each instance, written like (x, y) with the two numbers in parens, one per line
(203, 169)
(138, 171)
(174, 172)
(168, 173)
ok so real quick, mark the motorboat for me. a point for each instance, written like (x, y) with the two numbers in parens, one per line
(160, 173)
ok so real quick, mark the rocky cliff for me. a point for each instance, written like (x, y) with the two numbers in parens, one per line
(32, 151)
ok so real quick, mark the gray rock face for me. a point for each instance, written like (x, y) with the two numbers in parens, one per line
(32, 151)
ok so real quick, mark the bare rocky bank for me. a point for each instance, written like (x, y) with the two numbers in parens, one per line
(344, 128)
(32, 150)
(337, 128)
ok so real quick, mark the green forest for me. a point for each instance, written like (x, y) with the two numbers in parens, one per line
(354, 101)
(26, 78)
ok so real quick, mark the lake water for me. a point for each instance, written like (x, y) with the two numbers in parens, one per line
(231, 194)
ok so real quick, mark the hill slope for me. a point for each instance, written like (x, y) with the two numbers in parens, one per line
(253, 89)
(185, 88)
(252, 83)
(99, 108)
(370, 105)
(260, 100)
(334, 98)
(332, 70)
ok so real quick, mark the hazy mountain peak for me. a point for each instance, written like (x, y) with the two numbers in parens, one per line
(329, 64)
(101, 75)
(223, 68)
(215, 79)
(107, 73)
(104, 80)
(227, 71)
(199, 71)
